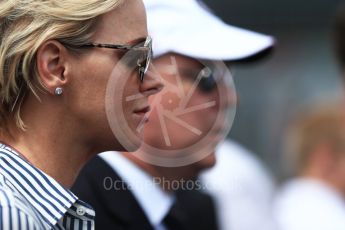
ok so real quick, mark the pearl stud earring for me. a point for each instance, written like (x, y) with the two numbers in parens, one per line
(58, 91)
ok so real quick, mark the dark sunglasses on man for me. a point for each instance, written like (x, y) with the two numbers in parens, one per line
(208, 77)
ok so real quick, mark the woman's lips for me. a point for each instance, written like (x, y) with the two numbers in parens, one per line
(143, 110)
(142, 113)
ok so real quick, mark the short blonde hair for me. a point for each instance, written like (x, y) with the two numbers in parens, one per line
(24, 26)
(318, 125)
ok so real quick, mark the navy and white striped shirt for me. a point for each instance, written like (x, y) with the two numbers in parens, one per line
(32, 200)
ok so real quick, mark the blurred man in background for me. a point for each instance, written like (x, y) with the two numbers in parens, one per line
(123, 192)
(315, 198)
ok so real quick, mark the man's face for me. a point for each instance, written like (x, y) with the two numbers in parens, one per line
(186, 112)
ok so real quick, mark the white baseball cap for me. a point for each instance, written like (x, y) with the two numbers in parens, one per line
(188, 28)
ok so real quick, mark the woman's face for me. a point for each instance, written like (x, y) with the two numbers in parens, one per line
(93, 70)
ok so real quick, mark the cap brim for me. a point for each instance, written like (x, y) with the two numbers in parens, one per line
(195, 32)
(233, 44)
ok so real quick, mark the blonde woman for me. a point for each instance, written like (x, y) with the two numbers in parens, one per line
(56, 58)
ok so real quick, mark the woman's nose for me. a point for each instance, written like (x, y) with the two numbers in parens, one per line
(151, 84)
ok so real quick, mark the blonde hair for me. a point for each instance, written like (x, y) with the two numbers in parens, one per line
(319, 125)
(24, 26)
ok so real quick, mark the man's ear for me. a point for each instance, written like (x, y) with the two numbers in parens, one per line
(51, 65)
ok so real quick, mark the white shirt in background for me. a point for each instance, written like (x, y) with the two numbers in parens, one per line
(307, 204)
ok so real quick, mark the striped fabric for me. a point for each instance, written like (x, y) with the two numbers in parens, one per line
(32, 200)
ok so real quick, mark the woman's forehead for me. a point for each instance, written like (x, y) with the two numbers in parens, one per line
(123, 24)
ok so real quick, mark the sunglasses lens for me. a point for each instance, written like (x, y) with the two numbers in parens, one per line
(208, 83)
(148, 53)
(142, 63)
(141, 74)
(145, 58)
(148, 59)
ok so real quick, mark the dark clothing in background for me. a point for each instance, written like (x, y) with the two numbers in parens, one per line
(118, 208)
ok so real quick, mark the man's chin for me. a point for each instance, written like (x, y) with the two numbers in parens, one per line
(208, 162)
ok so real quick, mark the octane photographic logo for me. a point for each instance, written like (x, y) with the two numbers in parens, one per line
(188, 118)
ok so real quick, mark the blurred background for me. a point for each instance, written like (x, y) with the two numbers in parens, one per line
(301, 71)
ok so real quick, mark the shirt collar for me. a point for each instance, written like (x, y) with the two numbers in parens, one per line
(154, 201)
(48, 198)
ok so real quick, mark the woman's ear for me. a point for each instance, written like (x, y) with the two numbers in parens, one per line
(51, 65)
